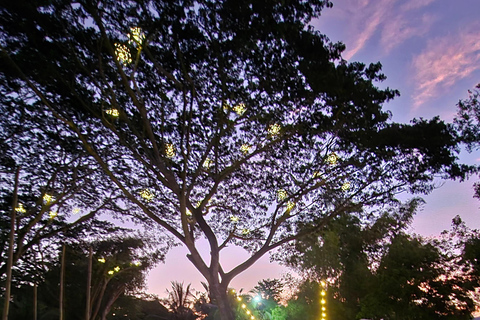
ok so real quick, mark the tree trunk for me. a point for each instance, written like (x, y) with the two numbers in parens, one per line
(11, 243)
(219, 296)
(89, 285)
(62, 282)
(35, 301)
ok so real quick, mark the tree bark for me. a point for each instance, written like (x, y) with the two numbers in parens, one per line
(218, 293)
(62, 280)
(89, 285)
(8, 282)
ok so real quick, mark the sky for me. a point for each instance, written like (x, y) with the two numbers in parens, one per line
(430, 51)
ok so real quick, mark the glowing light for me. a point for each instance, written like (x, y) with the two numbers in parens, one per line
(248, 312)
(323, 284)
(136, 36)
(75, 210)
(123, 54)
(245, 232)
(317, 175)
(226, 106)
(188, 213)
(282, 194)
(147, 195)
(137, 263)
(47, 198)
(240, 109)
(324, 315)
(110, 272)
(252, 317)
(234, 219)
(346, 186)
(323, 301)
(323, 308)
(239, 298)
(170, 150)
(274, 129)
(332, 159)
(116, 269)
(207, 163)
(323, 293)
(113, 112)
(20, 208)
(244, 305)
(245, 148)
(52, 214)
(290, 205)
(101, 260)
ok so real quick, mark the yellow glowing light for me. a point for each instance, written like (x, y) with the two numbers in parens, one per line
(244, 305)
(110, 272)
(101, 260)
(323, 301)
(239, 298)
(20, 208)
(323, 284)
(188, 213)
(317, 175)
(323, 293)
(282, 194)
(233, 291)
(170, 150)
(123, 54)
(248, 312)
(240, 109)
(147, 194)
(207, 163)
(323, 308)
(324, 315)
(113, 112)
(116, 269)
(245, 148)
(252, 317)
(52, 214)
(332, 159)
(136, 36)
(274, 129)
(245, 232)
(47, 198)
(234, 219)
(137, 263)
(75, 210)
(346, 186)
(290, 205)
(226, 106)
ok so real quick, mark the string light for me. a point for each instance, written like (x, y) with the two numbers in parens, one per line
(245, 232)
(110, 272)
(323, 302)
(170, 150)
(137, 263)
(316, 175)
(147, 194)
(282, 194)
(240, 109)
(207, 163)
(52, 214)
(290, 205)
(116, 269)
(274, 129)
(47, 198)
(346, 186)
(123, 54)
(20, 208)
(75, 210)
(101, 260)
(332, 159)
(245, 148)
(234, 219)
(136, 36)
(113, 112)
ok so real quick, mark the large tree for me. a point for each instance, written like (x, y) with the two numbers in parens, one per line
(234, 121)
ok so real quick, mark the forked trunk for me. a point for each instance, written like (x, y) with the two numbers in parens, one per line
(219, 297)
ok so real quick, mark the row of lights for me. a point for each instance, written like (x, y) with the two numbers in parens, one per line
(244, 307)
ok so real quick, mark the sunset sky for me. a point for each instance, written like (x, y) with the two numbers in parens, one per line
(430, 51)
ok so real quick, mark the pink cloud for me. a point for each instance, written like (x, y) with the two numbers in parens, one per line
(445, 61)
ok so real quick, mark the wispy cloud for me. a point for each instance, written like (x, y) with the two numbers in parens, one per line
(393, 21)
(445, 61)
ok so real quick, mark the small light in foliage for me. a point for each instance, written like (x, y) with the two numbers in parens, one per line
(53, 214)
(245, 148)
(207, 163)
(240, 109)
(252, 318)
(274, 129)
(113, 112)
(137, 263)
(170, 150)
(116, 269)
(323, 301)
(282, 194)
(317, 175)
(101, 260)
(110, 272)
(234, 219)
(323, 293)
(20, 208)
(290, 205)
(188, 213)
(244, 305)
(245, 232)
(332, 159)
(123, 54)
(147, 194)
(47, 198)
(75, 210)
(249, 312)
(239, 298)
(346, 186)
(136, 36)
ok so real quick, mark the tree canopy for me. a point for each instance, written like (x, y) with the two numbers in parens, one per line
(235, 121)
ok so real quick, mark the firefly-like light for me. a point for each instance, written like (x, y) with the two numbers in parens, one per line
(332, 159)
(20, 208)
(207, 163)
(274, 129)
(234, 219)
(245, 232)
(290, 205)
(101, 260)
(282, 194)
(110, 272)
(113, 112)
(346, 186)
(136, 36)
(240, 109)
(75, 210)
(47, 198)
(245, 148)
(123, 54)
(170, 150)
(147, 194)
(116, 269)
(53, 214)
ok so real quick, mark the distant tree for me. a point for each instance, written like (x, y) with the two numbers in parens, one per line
(181, 301)
(233, 121)
(269, 289)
